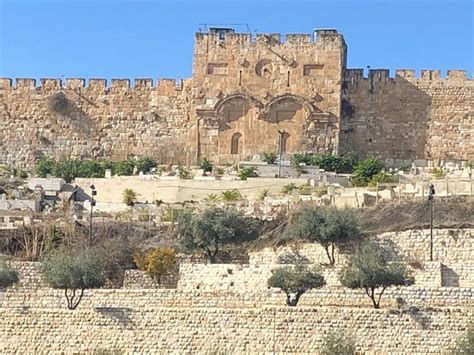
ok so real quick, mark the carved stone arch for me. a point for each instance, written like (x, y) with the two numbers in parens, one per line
(252, 101)
(300, 100)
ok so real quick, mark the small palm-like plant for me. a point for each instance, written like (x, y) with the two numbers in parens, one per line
(129, 197)
(230, 195)
(263, 194)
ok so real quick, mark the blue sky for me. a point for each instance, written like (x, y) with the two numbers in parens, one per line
(139, 38)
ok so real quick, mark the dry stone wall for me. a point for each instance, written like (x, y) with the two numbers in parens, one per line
(225, 330)
(227, 308)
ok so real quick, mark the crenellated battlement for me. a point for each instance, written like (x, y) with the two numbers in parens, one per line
(51, 84)
(351, 75)
(234, 38)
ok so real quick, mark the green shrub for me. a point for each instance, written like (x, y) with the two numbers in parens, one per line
(245, 173)
(269, 158)
(288, 189)
(74, 272)
(338, 343)
(365, 169)
(182, 172)
(145, 165)
(438, 173)
(124, 168)
(205, 164)
(382, 177)
(295, 281)
(8, 275)
(44, 167)
(340, 164)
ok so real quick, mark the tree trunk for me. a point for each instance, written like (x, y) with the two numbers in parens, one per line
(330, 255)
(371, 294)
(71, 303)
(292, 302)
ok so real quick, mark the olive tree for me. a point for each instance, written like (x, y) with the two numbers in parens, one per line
(214, 228)
(330, 227)
(369, 270)
(295, 281)
(8, 275)
(74, 273)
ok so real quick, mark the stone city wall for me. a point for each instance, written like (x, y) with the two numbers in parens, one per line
(73, 119)
(408, 117)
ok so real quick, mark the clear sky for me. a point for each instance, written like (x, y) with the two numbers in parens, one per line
(145, 38)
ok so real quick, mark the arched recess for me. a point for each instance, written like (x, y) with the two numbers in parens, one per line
(290, 102)
(235, 144)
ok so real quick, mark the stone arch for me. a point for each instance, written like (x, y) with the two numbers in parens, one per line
(235, 143)
(232, 108)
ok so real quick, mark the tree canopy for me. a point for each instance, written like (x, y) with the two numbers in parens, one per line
(214, 228)
(328, 226)
(8, 275)
(368, 269)
(74, 272)
(295, 281)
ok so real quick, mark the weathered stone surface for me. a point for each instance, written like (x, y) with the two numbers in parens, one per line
(243, 91)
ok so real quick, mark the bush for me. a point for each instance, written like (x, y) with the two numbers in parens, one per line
(45, 167)
(365, 169)
(382, 177)
(74, 272)
(288, 189)
(205, 164)
(145, 165)
(438, 173)
(329, 226)
(156, 262)
(245, 173)
(182, 172)
(213, 229)
(295, 281)
(124, 167)
(269, 158)
(8, 275)
(69, 169)
(368, 269)
(129, 197)
(338, 343)
(340, 164)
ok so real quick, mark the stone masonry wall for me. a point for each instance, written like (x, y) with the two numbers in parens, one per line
(408, 117)
(72, 119)
(265, 330)
(228, 308)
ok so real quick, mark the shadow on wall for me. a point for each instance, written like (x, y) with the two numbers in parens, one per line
(118, 314)
(449, 278)
(384, 116)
